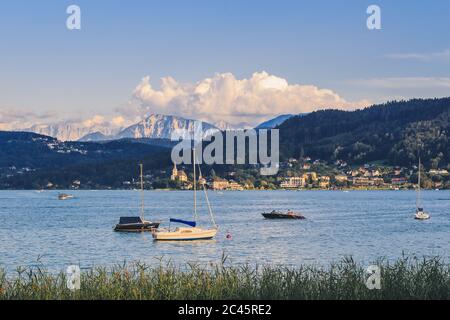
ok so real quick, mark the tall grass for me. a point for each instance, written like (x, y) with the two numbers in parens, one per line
(406, 278)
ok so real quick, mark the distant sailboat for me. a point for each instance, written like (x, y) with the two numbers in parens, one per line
(192, 232)
(137, 224)
(64, 196)
(420, 213)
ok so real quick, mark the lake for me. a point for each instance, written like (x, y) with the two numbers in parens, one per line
(365, 224)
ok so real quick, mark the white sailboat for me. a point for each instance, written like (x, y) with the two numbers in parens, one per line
(192, 232)
(420, 213)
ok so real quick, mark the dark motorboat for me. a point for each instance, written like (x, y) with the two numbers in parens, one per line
(135, 224)
(279, 215)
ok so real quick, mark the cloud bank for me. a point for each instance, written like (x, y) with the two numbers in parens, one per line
(223, 97)
(430, 56)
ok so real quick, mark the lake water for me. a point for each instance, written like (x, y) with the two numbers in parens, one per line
(364, 224)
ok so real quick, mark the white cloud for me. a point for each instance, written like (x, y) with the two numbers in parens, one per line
(95, 120)
(406, 82)
(12, 119)
(442, 55)
(225, 98)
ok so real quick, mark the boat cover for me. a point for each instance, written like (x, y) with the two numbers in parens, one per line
(129, 220)
(189, 223)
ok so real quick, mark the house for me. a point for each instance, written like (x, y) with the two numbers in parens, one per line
(324, 182)
(293, 182)
(219, 184)
(377, 182)
(341, 178)
(233, 185)
(179, 175)
(438, 172)
(360, 181)
(398, 181)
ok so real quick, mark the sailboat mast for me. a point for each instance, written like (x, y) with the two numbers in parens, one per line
(418, 194)
(142, 191)
(195, 186)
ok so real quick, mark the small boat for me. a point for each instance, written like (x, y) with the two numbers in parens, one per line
(279, 215)
(64, 196)
(420, 213)
(137, 224)
(192, 231)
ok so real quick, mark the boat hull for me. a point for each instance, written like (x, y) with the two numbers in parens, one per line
(185, 234)
(65, 197)
(137, 227)
(273, 216)
(422, 216)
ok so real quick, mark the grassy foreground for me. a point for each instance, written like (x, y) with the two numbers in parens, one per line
(407, 278)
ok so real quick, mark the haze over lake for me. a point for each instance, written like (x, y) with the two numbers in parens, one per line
(364, 224)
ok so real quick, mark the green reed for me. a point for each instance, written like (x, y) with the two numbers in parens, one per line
(406, 278)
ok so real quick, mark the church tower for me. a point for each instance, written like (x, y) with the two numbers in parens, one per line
(174, 173)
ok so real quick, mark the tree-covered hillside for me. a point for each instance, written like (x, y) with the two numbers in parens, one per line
(395, 132)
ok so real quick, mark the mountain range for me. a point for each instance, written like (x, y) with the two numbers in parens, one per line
(155, 126)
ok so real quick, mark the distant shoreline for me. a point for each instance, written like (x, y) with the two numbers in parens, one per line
(246, 190)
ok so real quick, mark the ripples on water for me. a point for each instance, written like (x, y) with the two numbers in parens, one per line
(364, 224)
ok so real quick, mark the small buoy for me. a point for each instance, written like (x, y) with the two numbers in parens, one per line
(229, 237)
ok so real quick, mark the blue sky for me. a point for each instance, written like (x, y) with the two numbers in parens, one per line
(49, 70)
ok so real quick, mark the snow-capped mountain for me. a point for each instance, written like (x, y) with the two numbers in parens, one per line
(159, 126)
(155, 126)
(223, 125)
(70, 131)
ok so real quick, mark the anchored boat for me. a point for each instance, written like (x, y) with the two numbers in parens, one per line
(64, 196)
(137, 224)
(192, 231)
(280, 215)
(420, 213)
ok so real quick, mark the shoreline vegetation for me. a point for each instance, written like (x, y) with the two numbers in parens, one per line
(405, 278)
(221, 191)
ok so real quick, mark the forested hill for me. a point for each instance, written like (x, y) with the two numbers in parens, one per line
(393, 132)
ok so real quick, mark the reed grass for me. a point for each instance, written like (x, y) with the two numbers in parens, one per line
(406, 278)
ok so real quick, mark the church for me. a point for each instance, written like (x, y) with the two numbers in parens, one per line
(179, 175)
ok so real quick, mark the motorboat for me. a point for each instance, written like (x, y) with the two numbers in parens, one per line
(64, 196)
(280, 215)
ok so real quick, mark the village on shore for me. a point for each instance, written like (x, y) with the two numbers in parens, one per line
(311, 174)
(293, 174)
